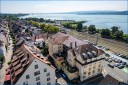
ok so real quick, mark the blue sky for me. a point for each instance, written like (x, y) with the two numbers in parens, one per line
(53, 6)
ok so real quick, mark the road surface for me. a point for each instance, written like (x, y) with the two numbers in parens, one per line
(5, 65)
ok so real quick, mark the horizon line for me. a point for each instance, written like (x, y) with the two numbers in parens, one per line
(67, 12)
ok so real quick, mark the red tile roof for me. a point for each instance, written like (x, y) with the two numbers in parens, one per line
(61, 38)
(40, 36)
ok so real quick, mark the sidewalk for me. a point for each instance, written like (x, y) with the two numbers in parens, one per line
(5, 65)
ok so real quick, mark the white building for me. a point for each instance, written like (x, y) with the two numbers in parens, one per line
(87, 59)
(30, 67)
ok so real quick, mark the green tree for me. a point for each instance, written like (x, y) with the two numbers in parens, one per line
(125, 38)
(106, 33)
(85, 28)
(114, 29)
(51, 29)
(41, 19)
(92, 29)
(119, 35)
(36, 24)
(98, 30)
(79, 26)
(9, 62)
(2, 58)
(42, 26)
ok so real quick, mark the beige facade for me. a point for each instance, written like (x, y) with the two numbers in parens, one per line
(71, 73)
(81, 55)
(71, 58)
(89, 70)
(55, 48)
(87, 67)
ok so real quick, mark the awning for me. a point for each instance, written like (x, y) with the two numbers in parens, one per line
(7, 78)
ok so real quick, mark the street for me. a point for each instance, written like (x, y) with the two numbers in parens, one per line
(5, 64)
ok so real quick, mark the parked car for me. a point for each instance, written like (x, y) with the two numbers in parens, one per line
(122, 56)
(127, 65)
(119, 61)
(110, 65)
(63, 75)
(126, 57)
(117, 54)
(121, 66)
(123, 63)
(109, 60)
(116, 65)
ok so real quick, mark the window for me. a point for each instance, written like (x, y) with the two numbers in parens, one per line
(93, 71)
(38, 83)
(48, 79)
(25, 83)
(48, 74)
(37, 78)
(84, 72)
(84, 77)
(36, 66)
(27, 76)
(45, 70)
(94, 67)
(99, 69)
(99, 65)
(89, 73)
(36, 73)
(49, 83)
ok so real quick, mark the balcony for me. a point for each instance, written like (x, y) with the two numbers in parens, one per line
(69, 68)
(71, 72)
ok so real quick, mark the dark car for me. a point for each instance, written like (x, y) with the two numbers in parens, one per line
(127, 65)
(121, 66)
(123, 63)
(119, 61)
(63, 75)
(126, 57)
(116, 65)
(122, 56)
(110, 65)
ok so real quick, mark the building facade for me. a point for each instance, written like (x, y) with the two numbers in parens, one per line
(30, 67)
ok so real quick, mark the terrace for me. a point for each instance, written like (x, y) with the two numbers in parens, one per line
(71, 72)
(69, 68)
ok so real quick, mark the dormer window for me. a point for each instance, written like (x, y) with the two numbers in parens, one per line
(86, 50)
(90, 54)
(85, 56)
(94, 53)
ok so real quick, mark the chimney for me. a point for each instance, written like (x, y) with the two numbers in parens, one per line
(71, 45)
(75, 44)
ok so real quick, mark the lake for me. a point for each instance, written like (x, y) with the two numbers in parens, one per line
(100, 21)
